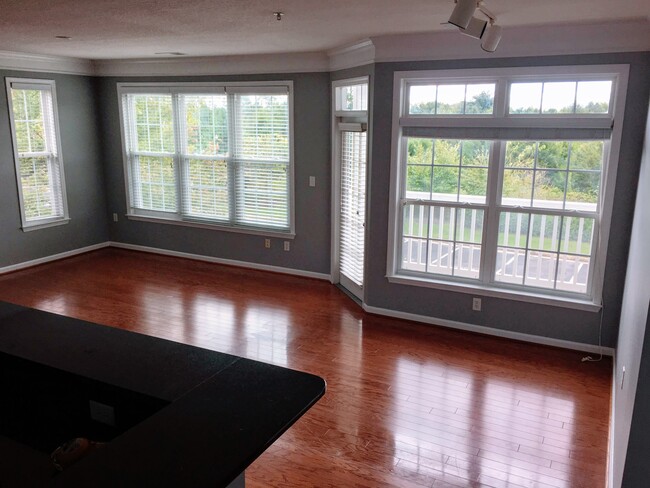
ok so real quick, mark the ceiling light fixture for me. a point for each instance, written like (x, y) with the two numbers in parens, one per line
(65, 38)
(463, 17)
(278, 15)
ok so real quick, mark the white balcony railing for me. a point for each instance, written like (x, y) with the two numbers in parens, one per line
(537, 261)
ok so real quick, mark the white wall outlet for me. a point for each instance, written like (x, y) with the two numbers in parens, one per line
(115, 217)
(476, 304)
(103, 413)
(267, 243)
(312, 181)
(287, 245)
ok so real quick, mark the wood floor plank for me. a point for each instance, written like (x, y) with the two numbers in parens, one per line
(408, 405)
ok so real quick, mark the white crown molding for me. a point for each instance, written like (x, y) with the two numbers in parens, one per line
(217, 65)
(507, 334)
(44, 63)
(541, 40)
(357, 54)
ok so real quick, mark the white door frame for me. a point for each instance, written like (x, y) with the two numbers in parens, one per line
(341, 117)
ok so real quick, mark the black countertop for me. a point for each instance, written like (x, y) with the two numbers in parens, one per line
(223, 411)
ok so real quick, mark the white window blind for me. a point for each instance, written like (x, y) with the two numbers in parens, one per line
(353, 204)
(39, 167)
(220, 155)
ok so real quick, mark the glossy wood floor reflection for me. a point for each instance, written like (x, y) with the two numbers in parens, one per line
(407, 404)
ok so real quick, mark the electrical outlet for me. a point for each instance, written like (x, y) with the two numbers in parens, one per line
(287, 245)
(476, 304)
(312, 181)
(114, 217)
(103, 413)
(267, 243)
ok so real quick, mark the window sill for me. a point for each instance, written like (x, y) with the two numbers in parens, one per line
(487, 291)
(44, 225)
(199, 225)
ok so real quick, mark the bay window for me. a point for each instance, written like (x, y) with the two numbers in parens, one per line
(210, 155)
(502, 180)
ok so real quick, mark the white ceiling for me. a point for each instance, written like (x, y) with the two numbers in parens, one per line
(113, 29)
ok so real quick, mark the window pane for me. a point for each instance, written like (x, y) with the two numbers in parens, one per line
(525, 98)
(446, 152)
(540, 269)
(153, 123)
(573, 273)
(38, 198)
(510, 265)
(28, 120)
(157, 184)
(587, 155)
(577, 234)
(263, 127)
(263, 195)
(520, 154)
(206, 124)
(422, 99)
(593, 97)
(517, 187)
(549, 189)
(544, 232)
(416, 221)
(208, 189)
(475, 153)
(559, 97)
(443, 223)
(414, 254)
(583, 191)
(353, 97)
(445, 183)
(552, 155)
(440, 257)
(418, 182)
(450, 99)
(469, 234)
(420, 151)
(480, 99)
(513, 229)
(473, 185)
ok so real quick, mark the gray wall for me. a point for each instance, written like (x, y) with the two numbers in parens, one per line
(310, 250)
(83, 174)
(633, 352)
(542, 320)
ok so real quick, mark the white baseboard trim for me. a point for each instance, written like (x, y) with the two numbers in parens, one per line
(519, 336)
(229, 262)
(53, 257)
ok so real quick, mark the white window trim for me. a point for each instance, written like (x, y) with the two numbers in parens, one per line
(614, 120)
(209, 87)
(26, 225)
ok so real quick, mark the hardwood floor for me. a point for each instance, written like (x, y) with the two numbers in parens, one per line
(408, 405)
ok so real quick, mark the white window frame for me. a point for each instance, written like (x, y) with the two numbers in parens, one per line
(468, 126)
(54, 159)
(207, 88)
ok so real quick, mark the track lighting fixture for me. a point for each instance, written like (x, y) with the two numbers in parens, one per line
(491, 38)
(463, 17)
(463, 13)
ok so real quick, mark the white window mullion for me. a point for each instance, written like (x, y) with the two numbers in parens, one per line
(180, 161)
